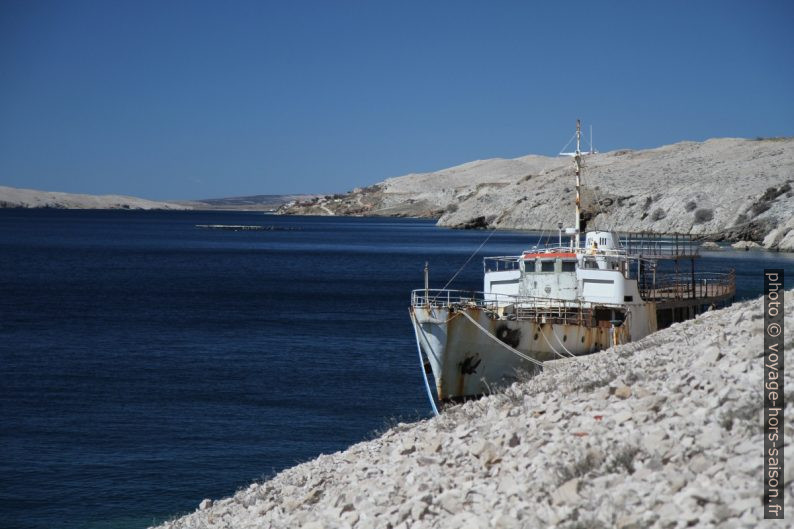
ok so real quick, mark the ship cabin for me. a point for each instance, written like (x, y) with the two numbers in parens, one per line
(594, 273)
(606, 271)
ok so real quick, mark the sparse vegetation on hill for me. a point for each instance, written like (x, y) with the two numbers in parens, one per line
(722, 189)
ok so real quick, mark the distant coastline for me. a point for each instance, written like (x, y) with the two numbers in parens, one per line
(12, 197)
(725, 190)
(264, 203)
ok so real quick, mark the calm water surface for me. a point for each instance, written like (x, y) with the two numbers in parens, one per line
(146, 364)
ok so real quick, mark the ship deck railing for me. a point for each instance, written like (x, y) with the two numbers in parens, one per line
(657, 246)
(705, 287)
(633, 247)
(503, 263)
(546, 310)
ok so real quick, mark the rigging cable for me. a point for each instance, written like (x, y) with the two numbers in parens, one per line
(569, 142)
(466, 263)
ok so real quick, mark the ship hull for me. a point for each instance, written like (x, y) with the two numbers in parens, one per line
(471, 359)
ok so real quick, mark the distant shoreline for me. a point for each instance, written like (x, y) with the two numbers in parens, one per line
(12, 197)
(705, 242)
(724, 190)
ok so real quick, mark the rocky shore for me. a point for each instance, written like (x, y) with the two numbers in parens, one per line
(724, 189)
(663, 432)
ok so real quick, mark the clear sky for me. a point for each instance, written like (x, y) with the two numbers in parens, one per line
(169, 99)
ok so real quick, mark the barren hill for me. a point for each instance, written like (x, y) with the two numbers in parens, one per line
(12, 197)
(245, 203)
(721, 189)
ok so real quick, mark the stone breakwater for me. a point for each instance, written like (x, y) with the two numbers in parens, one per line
(663, 432)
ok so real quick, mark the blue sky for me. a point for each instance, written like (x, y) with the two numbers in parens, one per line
(169, 99)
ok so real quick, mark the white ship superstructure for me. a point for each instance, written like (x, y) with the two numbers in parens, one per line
(558, 301)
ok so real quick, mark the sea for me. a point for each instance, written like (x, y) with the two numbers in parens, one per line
(147, 363)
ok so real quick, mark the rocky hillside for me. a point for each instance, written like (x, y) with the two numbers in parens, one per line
(12, 197)
(663, 432)
(721, 189)
(245, 203)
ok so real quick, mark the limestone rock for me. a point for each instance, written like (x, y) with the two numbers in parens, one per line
(680, 448)
(750, 199)
(567, 492)
(745, 245)
(623, 392)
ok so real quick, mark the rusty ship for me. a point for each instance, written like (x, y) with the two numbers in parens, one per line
(569, 298)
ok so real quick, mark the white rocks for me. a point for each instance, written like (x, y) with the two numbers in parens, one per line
(450, 501)
(622, 416)
(745, 245)
(750, 200)
(679, 446)
(567, 492)
(782, 237)
(622, 392)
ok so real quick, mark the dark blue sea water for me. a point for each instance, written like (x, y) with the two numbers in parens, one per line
(146, 364)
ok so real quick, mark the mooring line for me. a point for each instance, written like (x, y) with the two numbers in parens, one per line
(500, 342)
(422, 362)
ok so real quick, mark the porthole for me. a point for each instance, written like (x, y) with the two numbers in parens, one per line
(582, 339)
(536, 336)
(564, 337)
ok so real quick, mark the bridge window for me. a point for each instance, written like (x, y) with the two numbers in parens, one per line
(547, 266)
(569, 266)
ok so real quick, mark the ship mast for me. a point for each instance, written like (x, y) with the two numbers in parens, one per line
(577, 159)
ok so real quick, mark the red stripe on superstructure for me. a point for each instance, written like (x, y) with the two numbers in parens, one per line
(549, 255)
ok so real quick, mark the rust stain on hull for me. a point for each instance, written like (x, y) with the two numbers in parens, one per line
(463, 374)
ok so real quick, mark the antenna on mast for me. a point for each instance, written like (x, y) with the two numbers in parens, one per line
(577, 159)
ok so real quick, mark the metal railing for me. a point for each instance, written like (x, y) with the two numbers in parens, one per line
(441, 297)
(645, 245)
(501, 263)
(698, 285)
(547, 310)
(513, 262)
(660, 246)
(564, 313)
